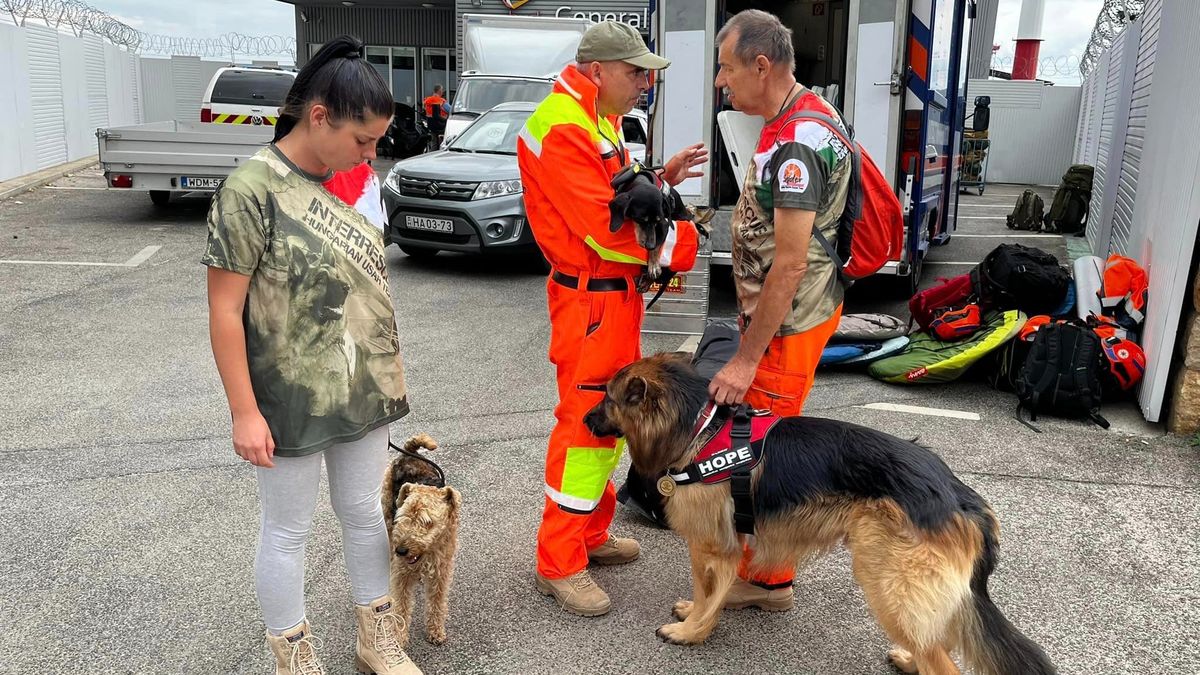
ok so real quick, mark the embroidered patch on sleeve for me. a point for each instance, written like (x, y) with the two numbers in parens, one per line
(793, 176)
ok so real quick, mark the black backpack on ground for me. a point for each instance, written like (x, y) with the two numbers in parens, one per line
(1027, 214)
(1069, 210)
(1013, 276)
(1061, 375)
(1003, 367)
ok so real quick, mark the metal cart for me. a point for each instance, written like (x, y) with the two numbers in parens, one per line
(973, 171)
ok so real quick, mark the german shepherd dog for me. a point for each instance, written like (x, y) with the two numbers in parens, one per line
(923, 543)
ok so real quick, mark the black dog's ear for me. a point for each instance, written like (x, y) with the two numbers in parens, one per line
(617, 207)
(679, 210)
(635, 392)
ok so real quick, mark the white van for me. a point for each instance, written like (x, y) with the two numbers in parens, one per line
(245, 96)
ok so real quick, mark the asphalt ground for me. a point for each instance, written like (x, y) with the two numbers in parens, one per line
(129, 526)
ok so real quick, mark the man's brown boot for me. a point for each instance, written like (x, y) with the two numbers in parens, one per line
(379, 637)
(743, 594)
(615, 551)
(577, 594)
(296, 652)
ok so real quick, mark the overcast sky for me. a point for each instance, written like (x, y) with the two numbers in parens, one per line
(1066, 30)
(1068, 25)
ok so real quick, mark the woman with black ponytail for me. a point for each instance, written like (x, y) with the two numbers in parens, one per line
(304, 336)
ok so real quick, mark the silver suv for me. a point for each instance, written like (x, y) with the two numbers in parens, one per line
(465, 198)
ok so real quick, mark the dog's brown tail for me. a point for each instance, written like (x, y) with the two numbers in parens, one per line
(990, 643)
(420, 441)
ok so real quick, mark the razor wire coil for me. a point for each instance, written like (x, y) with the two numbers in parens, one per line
(80, 18)
(1114, 16)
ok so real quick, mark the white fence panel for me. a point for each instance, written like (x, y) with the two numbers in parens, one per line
(57, 89)
(1119, 86)
(159, 84)
(186, 71)
(1135, 134)
(16, 135)
(80, 134)
(46, 96)
(1032, 130)
(1167, 210)
(97, 88)
(1148, 192)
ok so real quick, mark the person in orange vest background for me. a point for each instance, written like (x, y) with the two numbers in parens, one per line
(435, 112)
(568, 152)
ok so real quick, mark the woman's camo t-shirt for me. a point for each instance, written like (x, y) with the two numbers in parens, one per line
(321, 333)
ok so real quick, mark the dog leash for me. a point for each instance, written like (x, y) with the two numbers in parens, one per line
(441, 482)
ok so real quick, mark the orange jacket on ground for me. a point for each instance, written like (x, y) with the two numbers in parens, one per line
(568, 156)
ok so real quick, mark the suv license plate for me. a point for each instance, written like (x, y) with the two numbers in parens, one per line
(200, 183)
(431, 224)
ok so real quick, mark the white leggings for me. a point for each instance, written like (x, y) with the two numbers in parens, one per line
(288, 494)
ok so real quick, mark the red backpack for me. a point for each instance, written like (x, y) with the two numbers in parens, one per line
(954, 292)
(871, 229)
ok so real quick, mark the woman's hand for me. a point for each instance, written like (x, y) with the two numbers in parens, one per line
(252, 440)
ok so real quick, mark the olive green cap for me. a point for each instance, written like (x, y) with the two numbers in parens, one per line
(614, 41)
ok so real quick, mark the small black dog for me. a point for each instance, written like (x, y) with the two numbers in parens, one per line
(652, 205)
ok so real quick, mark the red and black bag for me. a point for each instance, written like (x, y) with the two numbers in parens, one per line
(955, 292)
(956, 323)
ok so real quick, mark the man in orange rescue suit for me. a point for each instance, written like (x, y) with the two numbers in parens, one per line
(789, 294)
(569, 152)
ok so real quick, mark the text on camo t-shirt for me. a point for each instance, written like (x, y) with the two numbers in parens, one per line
(797, 164)
(321, 335)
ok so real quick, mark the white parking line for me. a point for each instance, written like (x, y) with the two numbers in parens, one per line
(690, 344)
(947, 262)
(1004, 236)
(918, 410)
(139, 258)
(142, 256)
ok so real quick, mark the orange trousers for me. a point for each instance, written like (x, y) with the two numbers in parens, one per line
(782, 383)
(592, 336)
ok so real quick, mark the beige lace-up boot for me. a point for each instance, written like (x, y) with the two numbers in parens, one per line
(379, 633)
(296, 652)
(578, 594)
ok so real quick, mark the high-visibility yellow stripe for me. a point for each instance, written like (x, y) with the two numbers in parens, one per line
(611, 255)
(559, 109)
(585, 475)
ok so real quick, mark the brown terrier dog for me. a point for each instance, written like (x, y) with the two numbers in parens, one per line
(422, 522)
(923, 544)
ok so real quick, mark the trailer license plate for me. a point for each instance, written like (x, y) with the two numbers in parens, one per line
(197, 183)
(432, 224)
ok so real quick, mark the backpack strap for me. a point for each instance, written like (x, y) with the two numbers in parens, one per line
(853, 200)
(739, 486)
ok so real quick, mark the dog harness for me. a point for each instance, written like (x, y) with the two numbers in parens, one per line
(732, 443)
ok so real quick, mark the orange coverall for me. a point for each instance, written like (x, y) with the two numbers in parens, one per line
(568, 156)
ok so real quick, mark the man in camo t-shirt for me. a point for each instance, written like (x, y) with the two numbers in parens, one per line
(789, 294)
